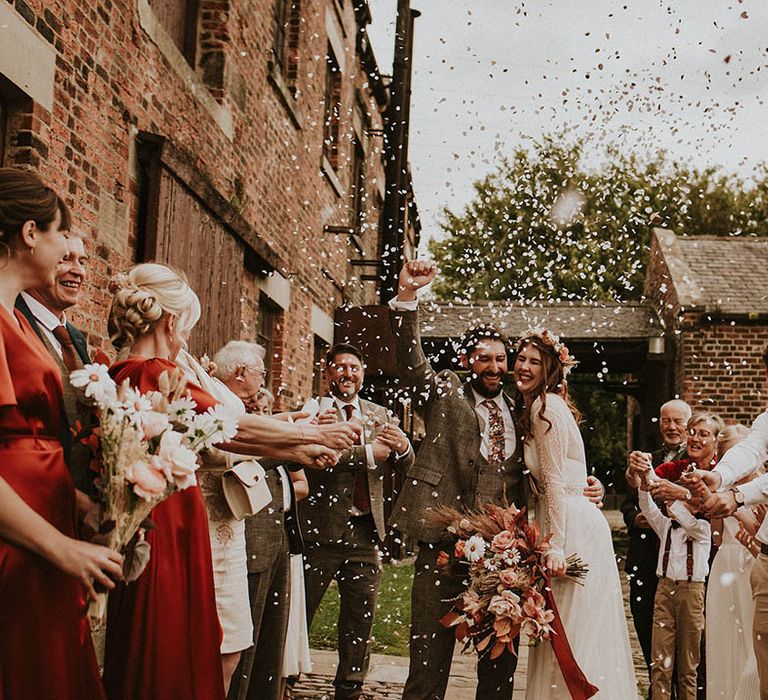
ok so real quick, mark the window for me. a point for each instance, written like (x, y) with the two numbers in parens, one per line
(318, 366)
(332, 122)
(358, 195)
(179, 18)
(266, 330)
(285, 45)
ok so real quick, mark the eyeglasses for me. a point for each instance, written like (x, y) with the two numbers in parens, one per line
(241, 369)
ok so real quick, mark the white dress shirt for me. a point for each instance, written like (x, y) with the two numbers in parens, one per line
(691, 528)
(46, 320)
(741, 461)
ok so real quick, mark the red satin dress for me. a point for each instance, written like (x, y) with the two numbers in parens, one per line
(163, 634)
(45, 642)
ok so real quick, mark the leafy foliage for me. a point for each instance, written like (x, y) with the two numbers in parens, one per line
(544, 226)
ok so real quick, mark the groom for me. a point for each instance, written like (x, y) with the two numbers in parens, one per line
(471, 455)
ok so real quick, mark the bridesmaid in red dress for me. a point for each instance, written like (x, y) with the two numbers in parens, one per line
(45, 573)
(163, 636)
(163, 631)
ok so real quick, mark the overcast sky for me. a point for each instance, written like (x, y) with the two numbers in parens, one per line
(687, 76)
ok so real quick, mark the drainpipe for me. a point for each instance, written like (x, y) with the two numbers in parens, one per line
(396, 119)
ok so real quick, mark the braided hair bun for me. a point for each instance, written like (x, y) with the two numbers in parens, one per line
(141, 298)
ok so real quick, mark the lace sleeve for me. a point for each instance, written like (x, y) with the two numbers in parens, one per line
(551, 448)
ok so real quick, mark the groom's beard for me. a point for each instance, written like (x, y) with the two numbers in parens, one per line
(488, 384)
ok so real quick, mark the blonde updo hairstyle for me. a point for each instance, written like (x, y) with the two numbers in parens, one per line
(142, 296)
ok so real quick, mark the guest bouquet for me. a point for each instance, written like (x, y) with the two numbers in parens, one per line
(508, 587)
(145, 448)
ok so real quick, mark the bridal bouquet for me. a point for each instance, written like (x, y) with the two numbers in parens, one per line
(145, 449)
(508, 588)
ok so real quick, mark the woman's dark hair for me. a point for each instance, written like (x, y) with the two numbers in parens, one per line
(553, 382)
(24, 197)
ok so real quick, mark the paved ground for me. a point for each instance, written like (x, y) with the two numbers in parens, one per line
(388, 673)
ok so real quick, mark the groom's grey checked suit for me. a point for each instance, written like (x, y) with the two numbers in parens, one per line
(450, 470)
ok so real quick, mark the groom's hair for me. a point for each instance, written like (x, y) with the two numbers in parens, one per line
(474, 336)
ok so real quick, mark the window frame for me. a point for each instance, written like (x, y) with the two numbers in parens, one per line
(332, 109)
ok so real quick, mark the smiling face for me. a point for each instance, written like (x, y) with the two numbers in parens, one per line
(529, 370)
(673, 422)
(702, 442)
(345, 373)
(68, 280)
(487, 365)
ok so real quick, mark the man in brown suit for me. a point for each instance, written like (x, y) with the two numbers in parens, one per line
(471, 456)
(342, 519)
(45, 308)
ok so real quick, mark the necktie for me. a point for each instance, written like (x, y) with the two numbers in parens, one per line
(495, 432)
(68, 353)
(361, 499)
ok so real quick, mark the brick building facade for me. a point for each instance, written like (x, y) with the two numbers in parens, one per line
(711, 295)
(240, 141)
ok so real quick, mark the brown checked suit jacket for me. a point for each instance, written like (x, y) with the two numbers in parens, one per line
(324, 514)
(449, 469)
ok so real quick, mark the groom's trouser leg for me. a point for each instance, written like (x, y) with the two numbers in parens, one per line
(759, 579)
(663, 640)
(431, 644)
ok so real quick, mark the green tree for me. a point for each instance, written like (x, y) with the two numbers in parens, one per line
(544, 226)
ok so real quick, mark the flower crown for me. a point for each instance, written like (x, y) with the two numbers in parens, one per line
(547, 337)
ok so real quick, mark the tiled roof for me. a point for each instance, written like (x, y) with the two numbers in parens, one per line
(719, 275)
(572, 321)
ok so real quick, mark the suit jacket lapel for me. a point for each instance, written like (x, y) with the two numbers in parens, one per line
(78, 340)
(470, 396)
(22, 306)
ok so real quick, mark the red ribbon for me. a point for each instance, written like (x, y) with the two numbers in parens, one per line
(578, 685)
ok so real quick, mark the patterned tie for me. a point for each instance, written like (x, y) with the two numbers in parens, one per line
(68, 353)
(495, 432)
(361, 498)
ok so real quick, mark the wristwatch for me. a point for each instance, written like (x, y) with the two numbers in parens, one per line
(738, 496)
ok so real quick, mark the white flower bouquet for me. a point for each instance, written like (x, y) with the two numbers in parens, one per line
(145, 448)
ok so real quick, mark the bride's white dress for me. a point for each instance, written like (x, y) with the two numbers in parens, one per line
(592, 614)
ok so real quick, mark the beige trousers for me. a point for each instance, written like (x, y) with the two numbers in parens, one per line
(759, 580)
(678, 623)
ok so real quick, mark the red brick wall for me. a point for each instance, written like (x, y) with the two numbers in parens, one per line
(112, 81)
(723, 369)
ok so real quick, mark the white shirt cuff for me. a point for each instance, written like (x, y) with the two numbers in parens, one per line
(753, 494)
(396, 305)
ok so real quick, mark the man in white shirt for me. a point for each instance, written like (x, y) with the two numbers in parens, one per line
(678, 615)
(739, 462)
(343, 520)
(45, 308)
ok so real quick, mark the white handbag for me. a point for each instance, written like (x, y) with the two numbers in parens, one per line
(245, 488)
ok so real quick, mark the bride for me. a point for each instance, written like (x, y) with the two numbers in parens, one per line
(592, 614)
